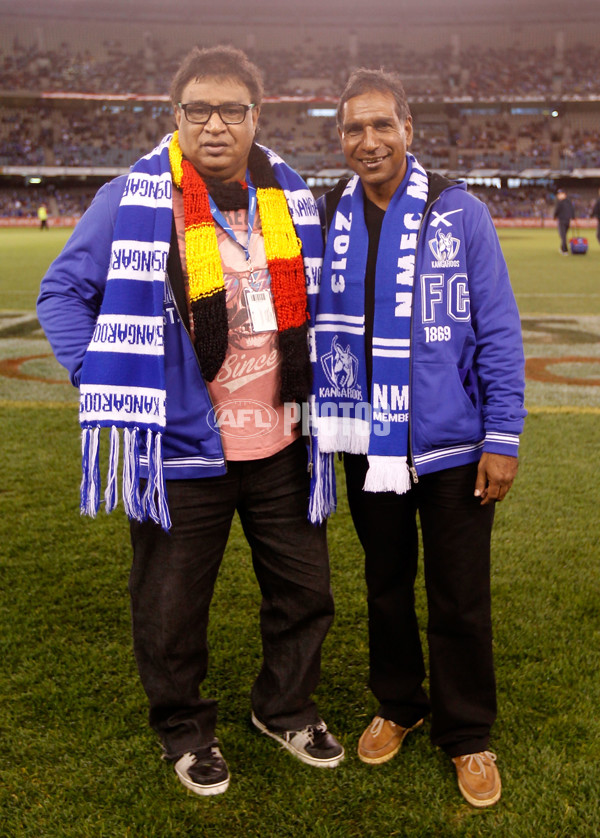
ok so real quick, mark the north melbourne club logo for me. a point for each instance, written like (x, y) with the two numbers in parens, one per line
(442, 218)
(444, 248)
(340, 366)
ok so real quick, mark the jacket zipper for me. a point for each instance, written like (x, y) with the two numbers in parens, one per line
(412, 467)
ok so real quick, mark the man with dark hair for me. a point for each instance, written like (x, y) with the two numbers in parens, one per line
(418, 378)
(564, 213)
(220, 62)
(363, 81)
(204, 250)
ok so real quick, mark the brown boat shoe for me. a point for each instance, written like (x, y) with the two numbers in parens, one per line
(382, 740)
(478, 778)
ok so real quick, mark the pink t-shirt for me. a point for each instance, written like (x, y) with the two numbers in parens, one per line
(245, 392)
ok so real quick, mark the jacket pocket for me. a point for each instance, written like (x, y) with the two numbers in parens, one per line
(444, 406)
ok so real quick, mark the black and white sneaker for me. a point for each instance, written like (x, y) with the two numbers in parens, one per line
(204, 771)
(313, 745)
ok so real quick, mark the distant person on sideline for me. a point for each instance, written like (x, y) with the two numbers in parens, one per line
(564, 213)
(179, 308)
(419, 381)
(595, 213)
(42, 215)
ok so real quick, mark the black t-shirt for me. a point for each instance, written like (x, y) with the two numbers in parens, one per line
(373, 219)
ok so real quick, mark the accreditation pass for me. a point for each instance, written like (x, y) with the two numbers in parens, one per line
(262, 311)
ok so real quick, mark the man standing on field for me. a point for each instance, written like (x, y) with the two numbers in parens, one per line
(564, 213)
(203, 250)
(42, 215)
(419, 380)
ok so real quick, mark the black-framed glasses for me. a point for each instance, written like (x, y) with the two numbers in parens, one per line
(199, 113)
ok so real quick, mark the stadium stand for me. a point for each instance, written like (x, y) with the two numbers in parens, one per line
(78, 106)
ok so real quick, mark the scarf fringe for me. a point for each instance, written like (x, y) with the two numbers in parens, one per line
(164, 519)
(90, 470)
(387, 474)
(323, 498)
(342, 433)
(131, 474)
(111, 495)
(154, 501)
(153, 504)
(148, 501)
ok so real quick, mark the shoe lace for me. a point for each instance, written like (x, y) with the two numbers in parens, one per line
(204, 755)
(478, 761)
(308, 734)
(378, 723)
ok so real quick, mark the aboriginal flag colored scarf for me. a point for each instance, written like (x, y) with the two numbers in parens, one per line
(122, 379)
(205, 272)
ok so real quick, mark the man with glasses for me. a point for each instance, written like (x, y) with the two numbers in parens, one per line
(178, 307)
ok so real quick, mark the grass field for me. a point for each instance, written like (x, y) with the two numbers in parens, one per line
(78, 760)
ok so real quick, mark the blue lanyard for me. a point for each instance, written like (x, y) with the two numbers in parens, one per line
(222, 221)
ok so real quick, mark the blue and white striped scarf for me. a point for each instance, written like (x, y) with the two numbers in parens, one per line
(345, 417)
(123, 378)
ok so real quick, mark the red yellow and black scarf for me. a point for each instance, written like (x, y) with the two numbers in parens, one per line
(205, 273)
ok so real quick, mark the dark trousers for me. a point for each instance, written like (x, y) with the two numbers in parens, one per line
(171, 586)
(456, 532)
(563, 229)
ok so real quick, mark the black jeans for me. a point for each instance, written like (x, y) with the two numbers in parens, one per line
(172, 582)
(456, 532)
(563, 230)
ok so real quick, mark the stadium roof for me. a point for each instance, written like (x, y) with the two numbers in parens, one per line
(345, 12)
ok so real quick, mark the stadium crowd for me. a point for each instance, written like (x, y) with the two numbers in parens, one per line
(104, 134)
(480, 73)
(23, 201)
(75, 133)
(72, 201)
